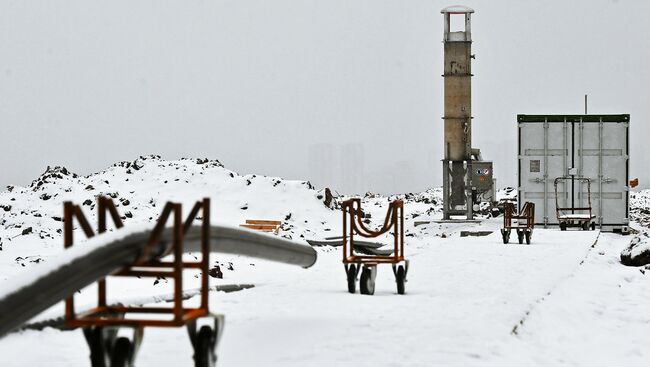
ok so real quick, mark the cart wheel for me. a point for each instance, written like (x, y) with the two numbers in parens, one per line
(352, 279)
(593, 226)
(528, 236)
(520, 237)
(121, 352)
(203, 352)
(562, 226)
(585, 226)
(366, 283)
(97, 344)
(400, 278)
(505, 234)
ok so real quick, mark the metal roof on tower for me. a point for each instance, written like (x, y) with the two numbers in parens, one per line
(457, 9)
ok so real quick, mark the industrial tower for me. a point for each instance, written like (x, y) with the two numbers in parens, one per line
(464, 174)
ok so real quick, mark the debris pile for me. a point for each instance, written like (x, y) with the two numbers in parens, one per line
(640, 207)
(638, 252)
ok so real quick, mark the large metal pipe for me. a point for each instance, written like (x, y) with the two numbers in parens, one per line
(105, 254)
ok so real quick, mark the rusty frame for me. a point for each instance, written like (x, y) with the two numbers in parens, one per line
(573, 222)
(527, 213)
(394, 220)
(144, 266)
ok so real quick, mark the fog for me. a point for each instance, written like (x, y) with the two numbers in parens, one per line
(344, 93)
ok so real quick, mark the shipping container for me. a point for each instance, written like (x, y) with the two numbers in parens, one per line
(592, 146)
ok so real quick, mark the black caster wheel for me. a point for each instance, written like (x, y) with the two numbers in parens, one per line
(528, 236)
(121, 353)
(593, 226)
(203, 350)
(352, 278)
(585, 226)
(505, 234)
(367, 281)
(400, 278)
(562, 226)
(520, 237)
(98, 344)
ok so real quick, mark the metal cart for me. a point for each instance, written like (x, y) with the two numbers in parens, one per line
(367, 264)
(574, 216)
(525, 222)
(102, 323)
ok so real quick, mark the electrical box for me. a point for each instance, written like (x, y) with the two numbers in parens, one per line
(483, 180)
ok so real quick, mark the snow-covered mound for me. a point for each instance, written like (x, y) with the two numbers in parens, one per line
(507, 194)
(638, 252)
(423, 205)
(640, 207)
(141, 187)
(31, 217)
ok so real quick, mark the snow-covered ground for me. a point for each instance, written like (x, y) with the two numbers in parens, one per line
(471, 301)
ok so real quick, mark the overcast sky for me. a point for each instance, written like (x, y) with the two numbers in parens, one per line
(258, 83)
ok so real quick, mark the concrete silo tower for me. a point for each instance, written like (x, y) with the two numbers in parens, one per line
(457, 162)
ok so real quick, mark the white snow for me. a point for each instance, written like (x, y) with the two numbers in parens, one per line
(576, 216)
(472, 301)
(507, 194)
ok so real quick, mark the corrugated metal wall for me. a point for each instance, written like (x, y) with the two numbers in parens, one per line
(593, 146)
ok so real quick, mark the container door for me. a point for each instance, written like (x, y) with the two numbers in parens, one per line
(602, 154)
(543, 156)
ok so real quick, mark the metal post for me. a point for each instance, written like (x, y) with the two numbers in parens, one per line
(345, 233)
(445, 189)
(67, 242)
(468, 190)
(566, 148)
(600, 173)
(401, 228)
(178, 261)
(581, 146)
(545, 172)
(101, 228)
(205, 250)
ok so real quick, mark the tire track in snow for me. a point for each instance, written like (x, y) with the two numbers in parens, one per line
(539, 301)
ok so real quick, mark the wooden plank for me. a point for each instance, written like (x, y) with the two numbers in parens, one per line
(260, 227)
(263, 222)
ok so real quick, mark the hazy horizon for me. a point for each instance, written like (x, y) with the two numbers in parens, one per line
(261, 85)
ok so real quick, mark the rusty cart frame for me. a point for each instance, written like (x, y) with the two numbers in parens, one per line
(567, 216)
(101, 324)
(524, 225)
(367, 264)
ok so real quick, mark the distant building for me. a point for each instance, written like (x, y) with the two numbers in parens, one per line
(323, 164)
(352, 168)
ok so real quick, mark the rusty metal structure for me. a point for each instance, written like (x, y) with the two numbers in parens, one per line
(524, 225)
(104, 315)
(145, 250)
(99, 324)
(466, 178)
(367, 264)
(574, 216)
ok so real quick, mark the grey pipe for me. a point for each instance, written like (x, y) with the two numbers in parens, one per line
(545, 173)
(70, 275)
